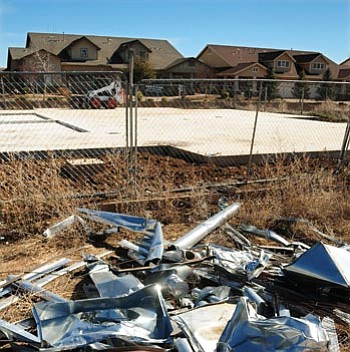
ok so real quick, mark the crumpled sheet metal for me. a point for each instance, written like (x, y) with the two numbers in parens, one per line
(210, 295)
(249, 332)
(264, 233)
(110, 285)
(171, 278)
(133, 223)
(142, 317)
(235, 261)
(16, 332)
(151, 248)
(323, 262)
(203, 326)
(205, 228)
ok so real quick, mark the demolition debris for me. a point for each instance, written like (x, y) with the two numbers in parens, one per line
(185, 296)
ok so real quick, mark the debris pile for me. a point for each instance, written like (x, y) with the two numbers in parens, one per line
(153, 295)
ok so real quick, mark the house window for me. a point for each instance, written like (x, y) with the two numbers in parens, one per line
(84, 53)
(255, 69)
(282, 63)
(318, 66)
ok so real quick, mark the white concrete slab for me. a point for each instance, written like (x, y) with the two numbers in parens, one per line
(207, 132)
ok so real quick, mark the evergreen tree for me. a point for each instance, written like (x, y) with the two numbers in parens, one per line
(326, 90)
(270, 89)
(299, 87)
(143, 70)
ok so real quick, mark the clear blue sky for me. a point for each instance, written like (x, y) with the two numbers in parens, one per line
(317, 25)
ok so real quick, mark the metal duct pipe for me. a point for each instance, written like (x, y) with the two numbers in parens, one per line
(205, 228)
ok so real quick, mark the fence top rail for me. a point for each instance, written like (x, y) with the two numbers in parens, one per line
(61, 73)
(232, 80)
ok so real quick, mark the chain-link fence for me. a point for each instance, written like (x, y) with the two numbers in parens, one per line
(239, 117)
(78, 117)
(81, 136)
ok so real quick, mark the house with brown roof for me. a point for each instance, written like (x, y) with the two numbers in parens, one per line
(345, 63)
(188, 67)
(344, 71)
(73, 52)
(253, 63)
(242, 62)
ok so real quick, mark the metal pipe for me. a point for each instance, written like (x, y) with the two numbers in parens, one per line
(39, 291)
(182, 345)
(204, 229)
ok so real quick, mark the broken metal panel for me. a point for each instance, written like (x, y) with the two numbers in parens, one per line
(37, 273)
(205, 228)
(142, 316)
(133, 223)
(247, 331)
(5, 302)
(203, 326)
(110, 285)
(48, 278)
(235, 261)
(39, 291)
(334, 268)
(13, 331)
(151, 248)
(264, 233)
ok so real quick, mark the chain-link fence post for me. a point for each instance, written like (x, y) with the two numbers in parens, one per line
(345, 145)
(254, 131)
(302, 100)
(265, 98)
(3, 92)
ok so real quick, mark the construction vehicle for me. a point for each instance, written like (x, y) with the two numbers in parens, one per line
(109, 96)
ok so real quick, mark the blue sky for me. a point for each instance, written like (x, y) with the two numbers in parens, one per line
(317, 25)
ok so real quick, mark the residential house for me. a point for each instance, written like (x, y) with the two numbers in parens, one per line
(73, 52)
(188, 67)
(345, 63)
(344, 71)
(68, 52)
(250, 63)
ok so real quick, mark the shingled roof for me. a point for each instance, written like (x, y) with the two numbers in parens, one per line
(240, 67)
(272, 55)
(344, 73)
(234, 55)
(304, 58)
(162, 53)
(345, 63)
(19, 53)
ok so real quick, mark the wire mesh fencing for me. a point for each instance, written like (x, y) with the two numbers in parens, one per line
(71, 138)
(80, 117)
(240, 117)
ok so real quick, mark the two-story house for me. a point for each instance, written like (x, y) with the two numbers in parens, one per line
(252, 63)
(71, 52)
